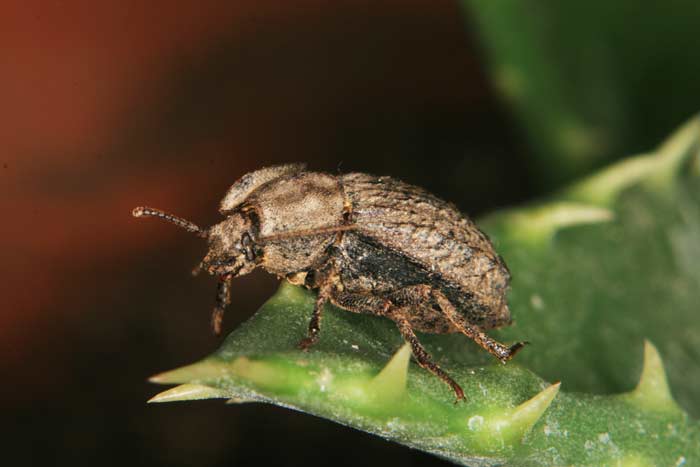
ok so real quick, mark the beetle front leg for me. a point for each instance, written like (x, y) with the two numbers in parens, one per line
(324, 279)
(223, 298)
(492, 346)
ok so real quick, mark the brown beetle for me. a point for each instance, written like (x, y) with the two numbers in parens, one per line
(367, 244)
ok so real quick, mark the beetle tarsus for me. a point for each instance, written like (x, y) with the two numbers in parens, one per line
(306, 343)
(223, 298)
(315, 323)
(217, 318)
(515, 348)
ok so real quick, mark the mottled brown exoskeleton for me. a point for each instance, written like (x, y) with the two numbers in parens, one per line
(367, 244)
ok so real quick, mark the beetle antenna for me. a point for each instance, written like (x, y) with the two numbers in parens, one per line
(143, 211)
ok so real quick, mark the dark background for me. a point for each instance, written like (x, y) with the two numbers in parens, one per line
(112, 104)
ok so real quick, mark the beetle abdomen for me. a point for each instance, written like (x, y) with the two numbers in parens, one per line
(369, 267)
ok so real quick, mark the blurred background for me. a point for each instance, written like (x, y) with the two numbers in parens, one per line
(113, 104)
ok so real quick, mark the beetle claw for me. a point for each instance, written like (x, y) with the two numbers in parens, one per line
(459, 394)
(515, 348)
(306, 343)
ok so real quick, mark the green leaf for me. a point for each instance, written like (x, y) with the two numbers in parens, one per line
(598, 269)
(587, 296)
(586, 80)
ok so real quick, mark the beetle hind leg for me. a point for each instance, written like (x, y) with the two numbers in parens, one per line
(423, 357)
(492, 346)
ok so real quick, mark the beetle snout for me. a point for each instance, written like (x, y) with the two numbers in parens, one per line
(219, 266)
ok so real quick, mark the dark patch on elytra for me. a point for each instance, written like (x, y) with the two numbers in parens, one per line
(389, 271)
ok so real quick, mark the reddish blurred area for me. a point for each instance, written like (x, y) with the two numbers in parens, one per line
(112, 104)
(72, 74)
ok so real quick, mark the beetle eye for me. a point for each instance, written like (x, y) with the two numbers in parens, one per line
(247, 243)
(249, 254)
(246, 240)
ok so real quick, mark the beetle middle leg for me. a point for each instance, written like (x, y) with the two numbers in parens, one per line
(396, 309)
(492, 346)
(357, 302)
(422, 356)
(315, 323)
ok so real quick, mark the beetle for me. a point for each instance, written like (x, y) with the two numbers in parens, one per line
(366, 244)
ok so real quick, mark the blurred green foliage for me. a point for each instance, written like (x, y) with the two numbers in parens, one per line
(588, 298)
(591, 81)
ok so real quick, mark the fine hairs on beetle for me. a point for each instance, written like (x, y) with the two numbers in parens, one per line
(366, 244)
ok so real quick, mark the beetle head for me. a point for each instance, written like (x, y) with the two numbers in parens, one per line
(231, 248)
